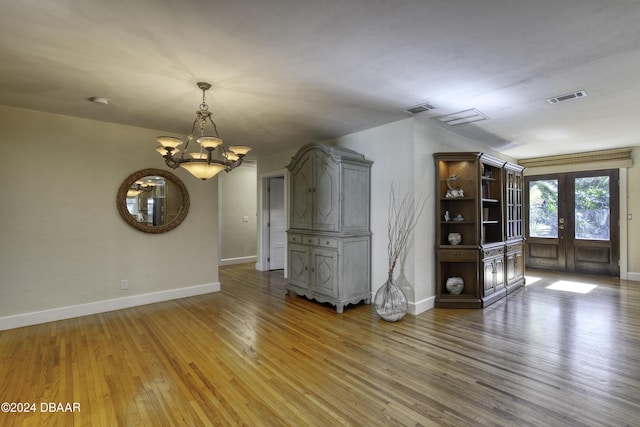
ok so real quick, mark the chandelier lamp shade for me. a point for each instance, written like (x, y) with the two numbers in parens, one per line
(140, 186)
(202, 164)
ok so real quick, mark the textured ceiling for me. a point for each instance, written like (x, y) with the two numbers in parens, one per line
(287, 72)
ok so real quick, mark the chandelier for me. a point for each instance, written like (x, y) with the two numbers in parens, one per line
(140, 186)
(202, 164)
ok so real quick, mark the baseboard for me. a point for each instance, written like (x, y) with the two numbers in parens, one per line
(633, 276)
(261, 267)
(415, 308)
(426, 304)
(68, 312)
(239, 260)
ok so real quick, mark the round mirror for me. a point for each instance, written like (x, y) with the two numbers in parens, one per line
(153, 200)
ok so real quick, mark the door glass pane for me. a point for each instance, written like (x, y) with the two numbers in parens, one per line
(543, 208)
(592, 208)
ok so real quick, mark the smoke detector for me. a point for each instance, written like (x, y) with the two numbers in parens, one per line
(99, 100)
(567, 97)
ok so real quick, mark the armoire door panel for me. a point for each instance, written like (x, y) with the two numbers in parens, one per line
(326, 196)
(301, 201)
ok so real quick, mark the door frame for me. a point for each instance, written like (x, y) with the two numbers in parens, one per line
(262, 263)
(618, 233)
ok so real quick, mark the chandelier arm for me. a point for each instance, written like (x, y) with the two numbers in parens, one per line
(215, 128)
(213, 160)
(190, 136)
(231, 165)
(172, 162)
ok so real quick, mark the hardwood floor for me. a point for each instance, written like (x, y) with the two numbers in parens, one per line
(250, 355)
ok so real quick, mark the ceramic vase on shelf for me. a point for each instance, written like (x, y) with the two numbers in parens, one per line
(390, 302)
(454, 238)
(455, 285)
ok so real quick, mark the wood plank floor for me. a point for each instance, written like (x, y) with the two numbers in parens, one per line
(250, 355)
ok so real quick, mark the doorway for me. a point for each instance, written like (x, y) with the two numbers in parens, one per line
(276, 223)
(572, 222)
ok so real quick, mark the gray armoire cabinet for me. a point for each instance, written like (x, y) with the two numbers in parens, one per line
(329, 238)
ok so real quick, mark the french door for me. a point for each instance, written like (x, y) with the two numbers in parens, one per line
(572, 222)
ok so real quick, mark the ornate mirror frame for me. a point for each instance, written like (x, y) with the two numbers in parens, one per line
(121, 201)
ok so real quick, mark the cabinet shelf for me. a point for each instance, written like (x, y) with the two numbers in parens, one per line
(463, 295)
(457, 247)
(456, 199)
(458, 180)
(490, 201)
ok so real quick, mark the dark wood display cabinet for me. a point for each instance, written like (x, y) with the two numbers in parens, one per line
(479, 240)
(514, 231)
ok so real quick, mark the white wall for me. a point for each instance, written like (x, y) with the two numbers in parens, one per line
(237, 203)
(391, 148)
(402, 153)
(64, 248)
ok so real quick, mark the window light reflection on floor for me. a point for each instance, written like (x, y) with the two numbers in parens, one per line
(530, 280)
(567, 286)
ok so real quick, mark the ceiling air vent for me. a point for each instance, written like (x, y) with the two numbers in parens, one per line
(462, 117)
(425, 106)
(567, 97)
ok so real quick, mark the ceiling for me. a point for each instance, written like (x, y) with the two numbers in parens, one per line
(288, 72)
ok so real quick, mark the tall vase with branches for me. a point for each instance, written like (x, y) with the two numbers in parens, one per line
(390, 301)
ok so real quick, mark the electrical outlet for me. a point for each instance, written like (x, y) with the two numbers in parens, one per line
(124, 284)
(629, 217)
(245, 218)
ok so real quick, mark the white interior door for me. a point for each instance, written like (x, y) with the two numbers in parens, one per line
(277, 223)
